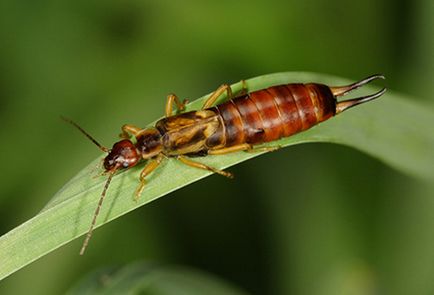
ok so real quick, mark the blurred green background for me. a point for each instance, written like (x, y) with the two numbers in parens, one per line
(309, 219)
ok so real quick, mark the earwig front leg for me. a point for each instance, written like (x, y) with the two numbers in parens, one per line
(213, 97)
(169, 104)
(98, 167)
(194, 164)
(128, 130)
(151, 166)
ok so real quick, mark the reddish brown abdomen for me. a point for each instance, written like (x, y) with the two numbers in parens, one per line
(275, 112)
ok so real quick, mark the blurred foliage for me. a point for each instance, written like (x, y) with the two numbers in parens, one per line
(349, 224)
(145, 279)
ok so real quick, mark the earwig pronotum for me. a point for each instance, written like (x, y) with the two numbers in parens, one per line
(240, 123)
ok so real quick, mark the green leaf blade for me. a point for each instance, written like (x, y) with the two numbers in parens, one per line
(393, 128)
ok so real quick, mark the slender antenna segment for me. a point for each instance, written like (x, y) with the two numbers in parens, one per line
(98, 208)
(104, 149)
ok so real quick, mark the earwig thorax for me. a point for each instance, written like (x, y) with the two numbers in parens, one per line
(149, 143)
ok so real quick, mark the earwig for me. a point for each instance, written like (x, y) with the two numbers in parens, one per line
(239, 124)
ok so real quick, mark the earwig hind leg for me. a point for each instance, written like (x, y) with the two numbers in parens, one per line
(243, 147)
(213, 97)
(263, 149)
(232, 149)
(194, 164)
(128, 130)
(244, 90)
(171, 98)
(149, 168)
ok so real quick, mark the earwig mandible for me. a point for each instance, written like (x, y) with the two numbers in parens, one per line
(239, 124)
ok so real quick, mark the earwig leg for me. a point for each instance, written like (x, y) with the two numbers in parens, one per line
(151, 166)
(232, 149)
(169, 104)
(263, 149)
(194, 164)
(243, 147)
(213, 97)
(97, 167)
(128, 130)
(244, 89)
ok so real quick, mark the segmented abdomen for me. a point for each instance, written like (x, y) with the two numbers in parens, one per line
(273, 113)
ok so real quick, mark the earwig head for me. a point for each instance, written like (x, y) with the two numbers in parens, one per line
(122, 155)
(149, 143)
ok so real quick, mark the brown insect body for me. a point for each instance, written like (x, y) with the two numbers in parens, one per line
(276, 112)
(258, 117)
(238, 124)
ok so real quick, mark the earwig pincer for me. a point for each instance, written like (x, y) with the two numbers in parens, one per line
(241, 123)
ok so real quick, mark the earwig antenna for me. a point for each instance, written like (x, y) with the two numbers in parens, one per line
(95, 215)
(104, 149)
(342, 90)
